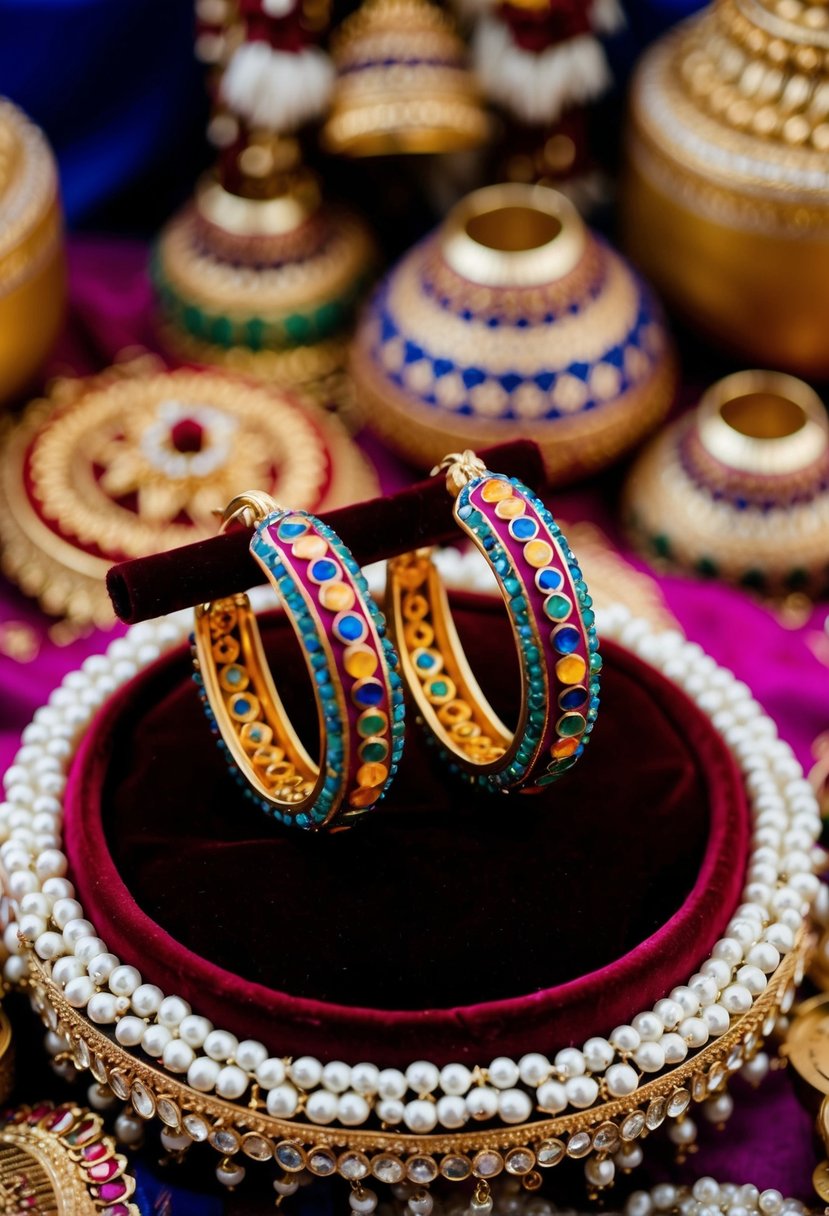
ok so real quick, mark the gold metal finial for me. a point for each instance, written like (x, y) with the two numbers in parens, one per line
(460, 469)
(249, 508)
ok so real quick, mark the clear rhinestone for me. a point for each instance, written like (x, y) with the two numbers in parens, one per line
(519, 1161)
(50, 1016)
(80, 1054)
(606, 1138)
(196, 1127)
(579, 1145)
(633, 1126)
(142, 1100)
(655, 1114)
(388, 1169)
(716, 1076)
(699, 1087)
(456, 1167)
(770, 1023)
(751, 1042)
(290, 1156)
(98, 1069)
(788, 999)
(322, 1162)
(257, 1147)
(737, 1057)
(422, 1170)
(225, 1140)
(678, 1103)
(550, 1152)
(353, 1166)
(119, 1084)
(168, 1112)
(487, 1164)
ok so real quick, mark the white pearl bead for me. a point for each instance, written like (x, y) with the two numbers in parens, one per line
(66, 969)
(130, 1031)
(621, 1080)
(451, 1111)
(74, 931)
(305, 1072)
(649, 1057)
(752, 978)
(336, 1077)
(694, 1031)
(79, 991)
(737, 999)
(570, 1062)
(102, 1008)
(770, 1203)
(249, 1054)
(420, 1116)
(365, 1078)
(765, 956)
(421, 1203)
(648, 1026)
(66, 910)
(194, 1029)
(146, 1000)
(455, 1079)
(599, 1171)
(155, 1040)
(321, 1106)
(581, 1091)
(286, 1186)
(639, 1203)
(362, 1201)
(719, 1109)
(719, 971)
(390, 1111)
(124, 980)
(202, 1074)
(551, 1097)
(172, 1011)
(15, 970)
(230, 1173)
(515, 1106)
(50, 945)
(391, 1083)
(482, 1102)
(31, 927)
(779, 936)
(129, 1130)
(717, 1018)
(674, 1046)
(177, 1056)
(669, 1012)
(625, 1039)
(89, 947)
(755, 1070)
(270, 1073)
(598, 1054)
(231, 1082)
(101, 967)
(282, 1101)
(422, 1077)
(51, 863)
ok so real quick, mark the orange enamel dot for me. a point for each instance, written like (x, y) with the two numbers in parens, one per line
(563, 748)
(538, 553)
(309, 546)
(496, 490)
(373, 774)
(571, 669)
(360, 661)
(337, 597)
(364, 796)
(510, 508)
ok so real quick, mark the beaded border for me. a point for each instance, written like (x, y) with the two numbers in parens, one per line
(780, 887)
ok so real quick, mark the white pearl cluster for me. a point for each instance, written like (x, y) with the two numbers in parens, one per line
(707, 1196)
(780, 884)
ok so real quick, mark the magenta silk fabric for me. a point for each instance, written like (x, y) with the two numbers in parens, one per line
(768, 1141)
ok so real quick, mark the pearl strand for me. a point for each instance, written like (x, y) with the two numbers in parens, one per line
(780, 885)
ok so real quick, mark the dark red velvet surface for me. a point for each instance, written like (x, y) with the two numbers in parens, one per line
(500, 924)
(420, 514)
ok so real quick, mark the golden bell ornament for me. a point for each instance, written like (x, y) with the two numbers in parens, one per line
(738, 489)
(267, 283)
(32, 270)
(402, 84)
(513, 320)
(726, 200)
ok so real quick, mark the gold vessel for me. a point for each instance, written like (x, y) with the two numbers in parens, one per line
(726, 200)
(513, 319)
(739, 488)
(32, 272)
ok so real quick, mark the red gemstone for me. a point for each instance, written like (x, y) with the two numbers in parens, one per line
(104, 1170)
(116, 1209)
(95, 1151)
(187, 435)
(111, 1191)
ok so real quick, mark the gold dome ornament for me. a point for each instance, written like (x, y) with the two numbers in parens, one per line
(739, 488)
(32, 270)
(134, 461)
(513, 319)
(265, 285)
(726, 201)
(402, 83)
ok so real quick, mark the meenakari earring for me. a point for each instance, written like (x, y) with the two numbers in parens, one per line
(351, 662)
(552, 621)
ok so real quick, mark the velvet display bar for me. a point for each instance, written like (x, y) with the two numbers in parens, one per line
(153, 586)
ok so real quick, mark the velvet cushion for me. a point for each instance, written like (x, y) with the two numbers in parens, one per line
(447, 925)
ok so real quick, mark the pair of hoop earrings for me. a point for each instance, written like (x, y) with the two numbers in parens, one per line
(360, 676)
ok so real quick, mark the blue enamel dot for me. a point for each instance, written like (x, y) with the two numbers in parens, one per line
(322, 570)
(368, 693)
(290, 529)
(240, 705)
(349, 627)
(549, 579)
(573, 698)
(565, 639)
(523, 528)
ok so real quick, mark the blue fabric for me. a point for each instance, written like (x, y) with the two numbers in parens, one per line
(116, 88)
